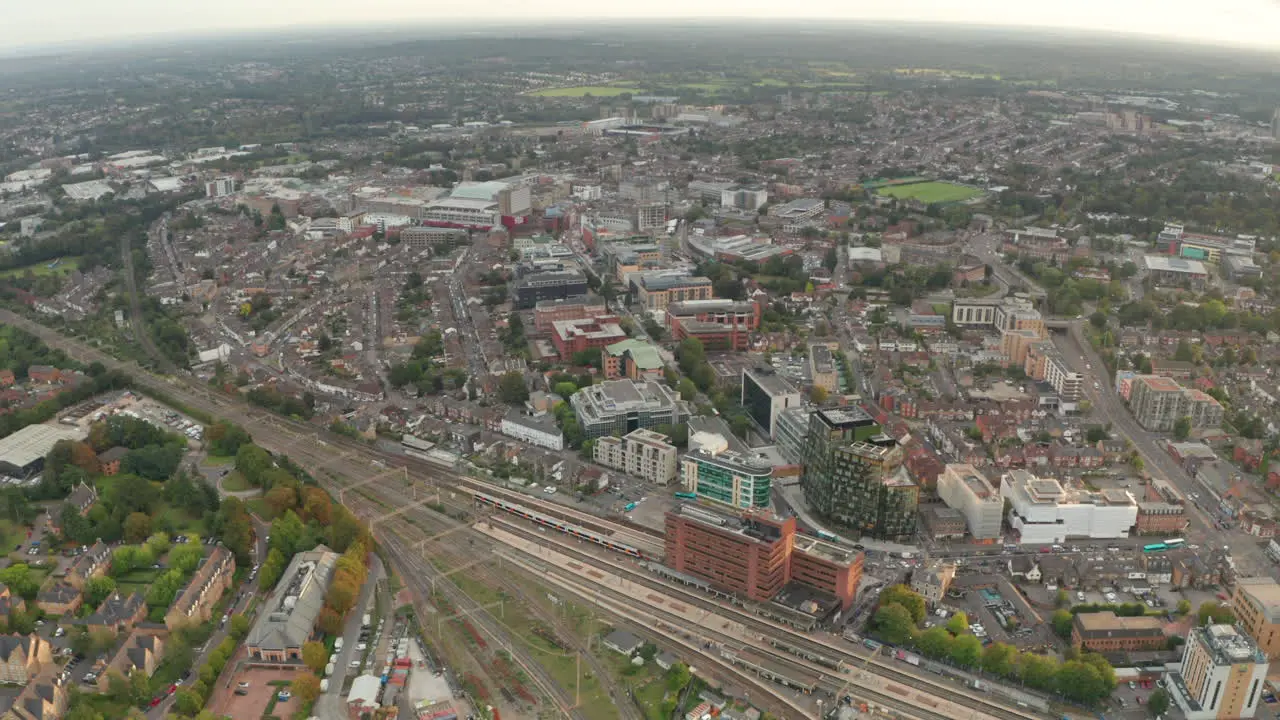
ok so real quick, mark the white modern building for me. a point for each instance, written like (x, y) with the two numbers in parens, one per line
(462, 212)
(1043, 512)
(221, 187)
(540, 431)
(1222, 675)
(963, 488)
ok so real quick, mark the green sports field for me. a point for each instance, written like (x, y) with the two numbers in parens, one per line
(931, 192)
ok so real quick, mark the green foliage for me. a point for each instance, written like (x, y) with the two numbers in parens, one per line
(1158, 702)
(98, 589)
(20, 581)
(225, 438)
(1062, 621)
(966, 650)
(909, 599)
(512, 389)
(893, 623)
(1212, 612)
(958, 624)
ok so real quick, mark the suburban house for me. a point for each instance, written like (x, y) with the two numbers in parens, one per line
(59, 598)
(118, 613)
(82, 497)
(42, 699)
(195, 601)
(139, 652)
(22, 657)
(110, 459)
(9, 603)
(92, 563)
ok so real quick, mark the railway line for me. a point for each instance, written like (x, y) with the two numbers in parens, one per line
(790, 671)
(830, 655)
(333, 459)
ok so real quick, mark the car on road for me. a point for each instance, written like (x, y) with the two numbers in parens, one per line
(243, 686)
(284, 696)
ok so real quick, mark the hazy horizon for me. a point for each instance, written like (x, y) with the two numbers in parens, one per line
(1248, 24)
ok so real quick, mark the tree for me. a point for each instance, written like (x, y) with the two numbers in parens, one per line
(286, 533)
(239, 626)
(512, 389)
(187, 701)
(137, 527)
(894, 624)
(1182, 427)
(329, 622)
(1062, 599)
(1184, 607)
(818, 395)
(97, 589)
(18, 579)
(966, 650)
(1079, 681)
(958, 624)
(935, 642)
(1213, 613)
(678, 677)
(306, 687)
(272, 568)
(998, 659)
(1038, 671)
(1062, 621)
(691, 354)
(1158, 702)
(281, 499)
(252, 462)
(909, 599)
(315, 656)
(185, 558)
(1098, 319)
(132, 494)
(688, 391)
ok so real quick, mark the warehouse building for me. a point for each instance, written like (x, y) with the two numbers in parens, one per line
(1106, 632)
(22, 453)
(288, 619)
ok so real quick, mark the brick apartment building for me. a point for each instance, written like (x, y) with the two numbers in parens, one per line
(1105, 632)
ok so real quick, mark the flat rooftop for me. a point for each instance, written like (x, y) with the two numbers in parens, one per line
(1165, 263)
(769, 381)
(33, 442)
(1265, 592)
(1159, 383)
(851, 416)
(1100, 622)
(820, 356)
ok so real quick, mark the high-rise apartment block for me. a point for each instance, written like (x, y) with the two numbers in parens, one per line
(854, 475)
(1221, 675)
(1256, 602)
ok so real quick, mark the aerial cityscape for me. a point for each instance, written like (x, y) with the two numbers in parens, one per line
(640, 371)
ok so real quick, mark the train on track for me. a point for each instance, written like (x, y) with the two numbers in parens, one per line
(557, 524)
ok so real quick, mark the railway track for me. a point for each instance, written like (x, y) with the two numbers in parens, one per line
(799, 644)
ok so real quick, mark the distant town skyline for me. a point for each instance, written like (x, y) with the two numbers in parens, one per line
(1239, 23)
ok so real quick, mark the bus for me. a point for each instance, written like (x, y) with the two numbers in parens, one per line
(1154, 547)
(1175, 542)
(687, 495)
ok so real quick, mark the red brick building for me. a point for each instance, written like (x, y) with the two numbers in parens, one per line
(574, 336)
(548, 312)
(718, 324)
(1106, 632)
(755, 555)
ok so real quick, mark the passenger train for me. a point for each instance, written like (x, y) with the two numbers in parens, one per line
(557, 524)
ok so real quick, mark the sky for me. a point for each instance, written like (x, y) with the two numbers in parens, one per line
(1250, 23)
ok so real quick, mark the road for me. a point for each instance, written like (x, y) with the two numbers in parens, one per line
(1110, 408)
(329, 706)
